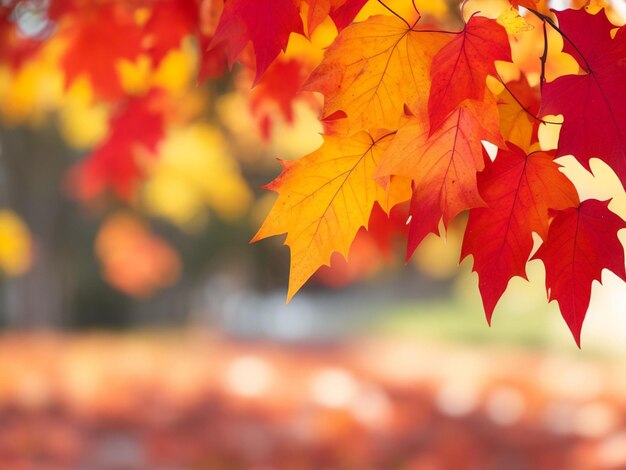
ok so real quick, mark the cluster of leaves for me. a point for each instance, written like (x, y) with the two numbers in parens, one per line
(408, 106)
(408, 103)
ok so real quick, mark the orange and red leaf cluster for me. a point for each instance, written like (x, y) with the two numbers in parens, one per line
(407, 107)
(428, 92)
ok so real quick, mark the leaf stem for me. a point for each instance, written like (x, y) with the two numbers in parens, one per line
(395, 14)
(544, 57)
(524, 108)
(550, 21)
(419, 15)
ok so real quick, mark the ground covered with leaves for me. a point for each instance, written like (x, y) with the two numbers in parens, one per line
(182, 401)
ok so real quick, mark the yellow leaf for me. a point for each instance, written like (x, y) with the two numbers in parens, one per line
(194, 171)
(326, 197)
(29, 93)
(135, 75)
(177, 69)
(516, 123)
(15, 244)
(82, 122)
(513, 22)
(373, 69)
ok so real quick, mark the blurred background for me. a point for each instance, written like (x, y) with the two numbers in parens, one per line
(139, 329)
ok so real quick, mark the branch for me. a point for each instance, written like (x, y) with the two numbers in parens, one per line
(524, 108)
(550, 21)
(395, 14)
(544, 57)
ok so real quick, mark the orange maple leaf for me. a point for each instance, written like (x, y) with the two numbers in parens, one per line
(326, 197)
(373, 69)
(461, 67)
(443, 166)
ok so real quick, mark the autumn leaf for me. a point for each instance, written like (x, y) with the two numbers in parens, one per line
(407, 107)
(442, 166)
(581, 242)
(325, 198)
(373, 69)
(276, 92)
(213, 59)
(169, 23)
(134, 260)
(460, 68)
(267, 24)
(97, 40)
(342, 12)
(518, 189)
(16, 244)
(134, 131)
(194, 170)
(213, 62)
(518, 105)
(513, 22)
(370, 250)
(593, 104)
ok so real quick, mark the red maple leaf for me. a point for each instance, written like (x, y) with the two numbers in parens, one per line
(265, 23)
(276, 91)
(342, 12)
(519, 190)
(135, 130)
(593, 104)
(98, 37)
(443, 166)
(519, 105)
(461, 67)
(170, 22)
(581, 242)
(370, 250)
(345, 11)
(213, 60)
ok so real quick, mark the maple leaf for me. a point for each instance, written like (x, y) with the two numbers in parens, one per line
(135, 129)
(370, 250)
(278, 88)
(460, 68)
(98, 37)
(134, 260)
(267, 24)
(213, 59)
(518, 105)
(170, 21)
(325, 198)
(342, 12)
(593, 104)
(581, 242)
(373, 69)
(443, 165)
(213, 62)
(518, 189)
